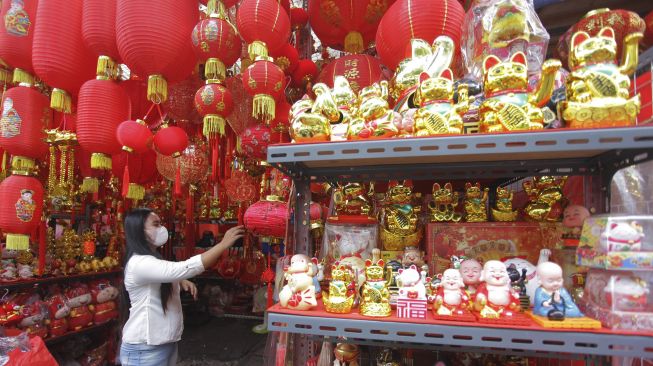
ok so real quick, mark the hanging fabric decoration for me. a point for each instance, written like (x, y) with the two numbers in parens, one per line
(16, 40)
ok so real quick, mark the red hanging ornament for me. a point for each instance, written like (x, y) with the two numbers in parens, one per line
(170, 141)
(264, 25)
(306, 72)
(134, 136)
(156, 46)
(254, 142)
(137, 91)
(281, 122)
(216, 43)
(298, 18)
(360, 71)
(65, 64)
(17, 39)
(265, 82)
(21, 204)
(286, 58)
(180, 105)
(90, 182)
(215, 104)
(241, 187)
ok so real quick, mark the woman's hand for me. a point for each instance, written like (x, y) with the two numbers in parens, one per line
(232, 235)
(190, 287)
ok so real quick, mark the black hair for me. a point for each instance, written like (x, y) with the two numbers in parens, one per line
(137, 244)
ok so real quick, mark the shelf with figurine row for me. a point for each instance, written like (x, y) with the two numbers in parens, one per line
(434, 332)
(499, 155)
(84, 331)
(42, 281)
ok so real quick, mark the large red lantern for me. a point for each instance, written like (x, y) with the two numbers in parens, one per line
(264, 25)
(359, 70)
(134, 136)
(216, 43)
(254, 142)
(99, 30)
(21, 204)
(153, 41)
(267, 219)
(16, 39)
(25, 114)
(135, 170)
(346, 25)
(170, 141)
(102, 106)
(423, 19)
(214, 103)
(264, 81)
(65, 64)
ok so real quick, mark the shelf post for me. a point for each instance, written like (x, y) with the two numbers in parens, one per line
(302, 217)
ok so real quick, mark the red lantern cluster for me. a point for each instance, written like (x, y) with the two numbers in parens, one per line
(265, 82)
(360, 71)
(214, 102)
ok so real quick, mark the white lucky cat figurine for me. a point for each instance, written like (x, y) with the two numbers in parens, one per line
(299, 292)
(622, 237)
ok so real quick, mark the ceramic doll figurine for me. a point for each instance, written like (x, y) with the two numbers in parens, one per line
(551, 299)
(451, 299)
(573, 218)
(495, 298)
(104, 297)
(299, 292)
(532, 282)
(471, 272)
(59, 311)
(78, 298)
(412, 298)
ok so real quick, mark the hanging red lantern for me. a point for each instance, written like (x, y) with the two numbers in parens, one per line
(193, 164)
(423, 19)
(346, 25)
(134, 136)
(360, 71)
(286, 58)
(264, 25)
(264, 81)
(254, 142)
(21, 204)
(25, 114)
(99, 33)
(214, 103)
(152, 45)
(648, 32)
(281, 121)
(170, 141)
(216, 43)
(267, 219)
(148, 172)
(17, 38)
(305, 73)
(135, 170)
(65, 64)
(298, 18)
(102, 106)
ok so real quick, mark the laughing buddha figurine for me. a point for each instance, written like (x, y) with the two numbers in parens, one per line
(598, 88)
(508, 105)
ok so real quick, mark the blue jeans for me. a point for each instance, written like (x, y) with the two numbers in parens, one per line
(145, 355)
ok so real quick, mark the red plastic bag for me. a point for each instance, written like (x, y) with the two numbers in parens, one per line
(38, 355)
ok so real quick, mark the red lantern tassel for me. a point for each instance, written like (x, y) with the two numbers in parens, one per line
(125, 180)
(215, 154)
(42, 247)
(177, 187)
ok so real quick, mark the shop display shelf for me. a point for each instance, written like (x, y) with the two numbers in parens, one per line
(44, 281)
(506, 155)
(85, 331)
(433, 334)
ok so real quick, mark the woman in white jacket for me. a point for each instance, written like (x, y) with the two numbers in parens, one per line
(155, 322)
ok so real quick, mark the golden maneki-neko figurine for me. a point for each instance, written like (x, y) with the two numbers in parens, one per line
(375, 301)
(508, 105)
(475, 202)
(374, 118)
(399, 218)
(342, 290)
(443, 206)
(598, 88)
(546, 198)
(438, 115)
(503, 202)
(353, 199)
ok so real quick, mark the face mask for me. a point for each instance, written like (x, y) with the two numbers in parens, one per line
(160, 236)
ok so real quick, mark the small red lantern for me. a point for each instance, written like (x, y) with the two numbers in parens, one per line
(267, 219)
(298, 18)
(264, 24)
(134, 136)
(360, 71)
(21, 204)
(102, 106)
(16, 40)
(25, 114)
(214, 103)
(264, 81)
(135, 170)
(305, 72)
(254, 142)
(424, 19)
(286, 58)
(65, 64)
(170, 141)
(217, 43)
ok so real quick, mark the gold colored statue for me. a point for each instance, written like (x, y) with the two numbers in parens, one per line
(598, 88)
(374, 118)
(546, 199)
(347, 102)
(475, 203)
(437, 114)
(376, 296)
(443, 207)
(214, 209)
(508, 105)
(342, 290)
(352, 199)
(307, 126)
(399, 219)
(503, 210)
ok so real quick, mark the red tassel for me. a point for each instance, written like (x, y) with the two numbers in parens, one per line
(177, 187)
(215, 154)
(42, 248)
(125, 180)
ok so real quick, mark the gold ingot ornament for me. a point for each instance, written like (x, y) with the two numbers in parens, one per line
(438, 115)
(598, 88)
(508, 105)
(399, 219)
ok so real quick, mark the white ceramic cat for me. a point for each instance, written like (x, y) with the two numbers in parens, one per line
(531, 271)
(623, 237)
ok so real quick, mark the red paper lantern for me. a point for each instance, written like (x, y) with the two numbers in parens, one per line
(170, 141)
(424, 19)
(153, 41)
(264, 81)
(286, 58)
(136, 170)
(99, 28)
(16, 40)
(214, 103)
(267, 219)
(298, 18)
(281, 122)
(648, 32)
(90, 182)
(360, 71)
(148, 171)
(21, 204)
(264, 25)
(254, 142)
(25, 114)
(65, 64)
(193, 164)
(102, 106)
(305, 72)
(217, 44)
(346, 25)
(134, 136)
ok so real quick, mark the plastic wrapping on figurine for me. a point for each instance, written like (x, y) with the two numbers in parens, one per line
(501, 28)
(351, 244)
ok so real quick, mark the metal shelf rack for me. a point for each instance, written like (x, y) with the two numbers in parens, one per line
(597, 153)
